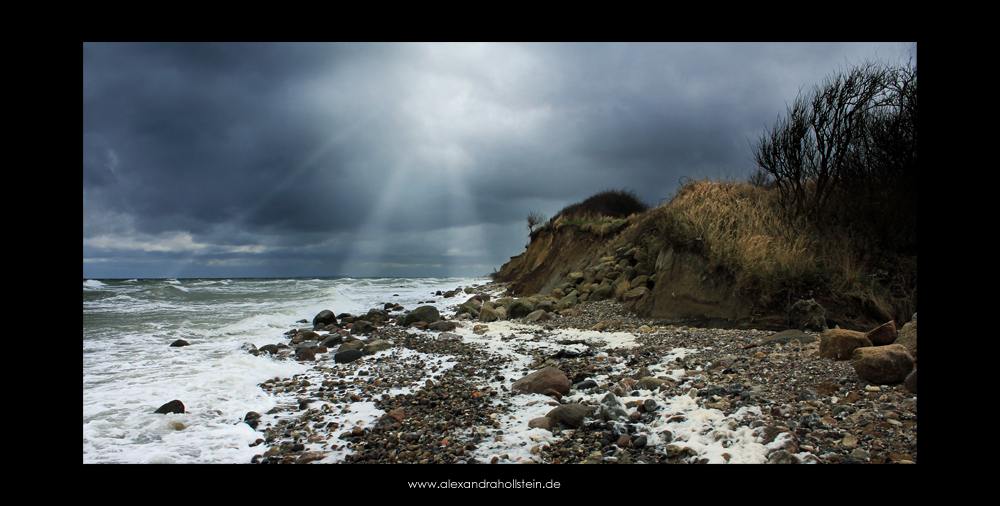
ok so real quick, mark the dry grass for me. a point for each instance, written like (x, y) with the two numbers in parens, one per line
(743, 229)
(598, 225)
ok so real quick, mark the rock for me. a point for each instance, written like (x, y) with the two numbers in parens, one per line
(542, 422)
(649, 383)
(331, 341)
(466, 308)
(883, 335)
(397, 414)
(542, 380)
(635, 294)
(908, 336)
(376, 346)
(538, 316)
(324, 318)
(519, 308)
(839, 344)
(639, 281)
(442, 326)
(361, 327)
(347, 356)
(309, 335)
(427, 314)
(305, 354)
(611, 408)
(174, 406)
(487, 314)
(269, 348)
(569, 414)
(251, 349)
(308, 457)
(882, 364)
(788, 336)
(351, 345)
(179, 343)
(252, 419)
(603, 292)
(807, 315)
(574, 278)
(567, 302)
(911, 381)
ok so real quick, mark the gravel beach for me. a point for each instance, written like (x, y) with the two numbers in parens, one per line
(648, 393)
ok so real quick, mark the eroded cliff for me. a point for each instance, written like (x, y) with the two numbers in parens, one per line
(654, 276)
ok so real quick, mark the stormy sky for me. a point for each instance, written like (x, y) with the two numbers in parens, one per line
(360, 160)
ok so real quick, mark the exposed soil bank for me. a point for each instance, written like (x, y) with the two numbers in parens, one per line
(683, 288)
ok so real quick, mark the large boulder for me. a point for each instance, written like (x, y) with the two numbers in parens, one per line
(442, 326)
(252, 419)
(787, 336)
(908, 336)
(309, 335)
(469, 308)
(839, 344)
(603, 292)
(487, 314)
(331, 341)
(174, 406)
(574, 278)
(539, 315)
(362, 327)
(570, 414)
(324, 318)
(567, 302)
(346, 356)
(540, 381)
(427, 314)
(376, 346)
(882, 364)
(305, 354)
(883, 335)
(351, 345)
(635, 294)
(519, 308)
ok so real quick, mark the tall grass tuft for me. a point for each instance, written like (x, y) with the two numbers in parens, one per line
(772, 257)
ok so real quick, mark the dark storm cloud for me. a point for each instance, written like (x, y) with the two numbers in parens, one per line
(415, 154)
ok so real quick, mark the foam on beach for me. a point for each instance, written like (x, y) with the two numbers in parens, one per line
(709, 433)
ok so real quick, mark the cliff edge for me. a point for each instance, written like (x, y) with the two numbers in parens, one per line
(654, 277)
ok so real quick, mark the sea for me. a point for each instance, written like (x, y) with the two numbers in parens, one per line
(130, 370)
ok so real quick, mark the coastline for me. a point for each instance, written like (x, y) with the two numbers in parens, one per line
(446, 397)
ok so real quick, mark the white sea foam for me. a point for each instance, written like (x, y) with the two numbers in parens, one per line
(130, 370)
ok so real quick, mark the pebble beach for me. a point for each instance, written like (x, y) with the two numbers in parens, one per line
(641, 392)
